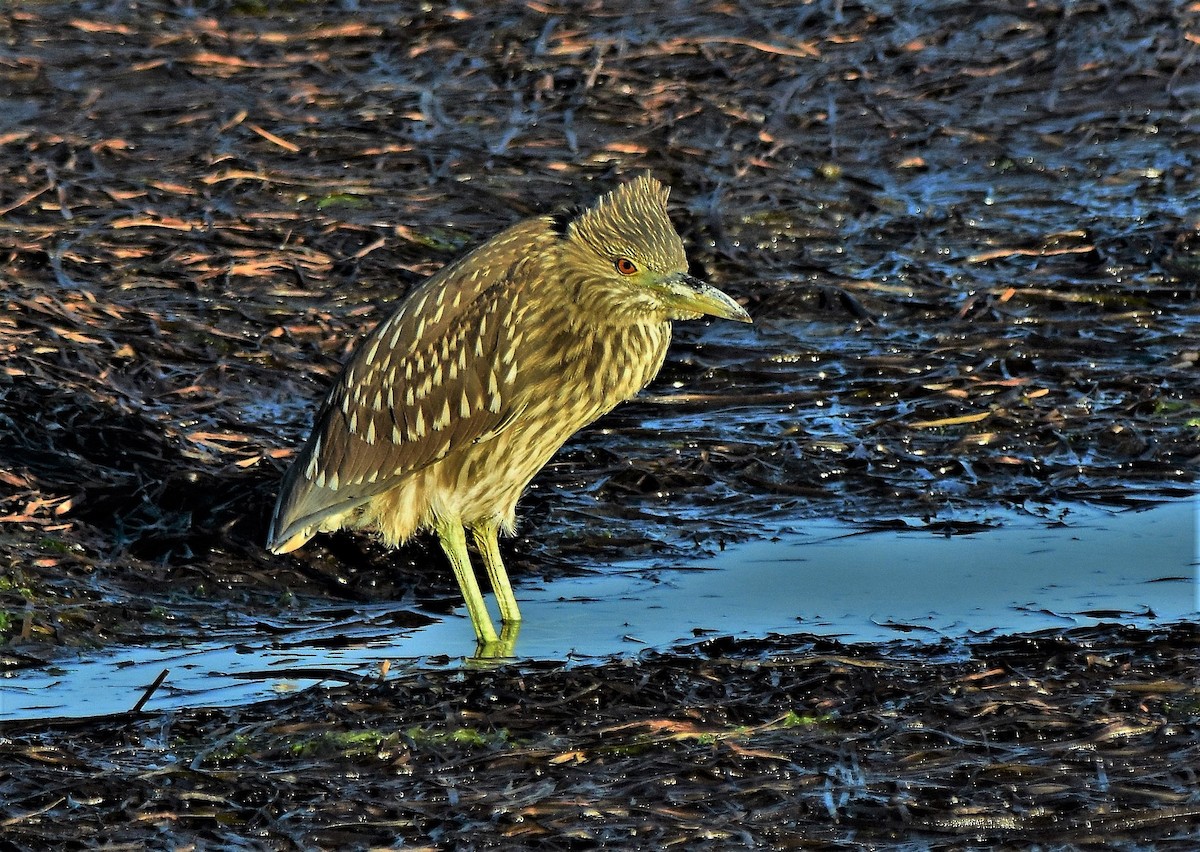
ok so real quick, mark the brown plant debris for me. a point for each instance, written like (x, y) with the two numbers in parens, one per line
(1081, 740)
(966, 231)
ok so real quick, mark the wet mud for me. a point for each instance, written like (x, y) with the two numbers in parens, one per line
(967, 234)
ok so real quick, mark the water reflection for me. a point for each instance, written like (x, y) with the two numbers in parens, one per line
(1075, 566)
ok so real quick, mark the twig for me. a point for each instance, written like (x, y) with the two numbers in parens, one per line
(150, 690)
(22, 817)
(25, 199)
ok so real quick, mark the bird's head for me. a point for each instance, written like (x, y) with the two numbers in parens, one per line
(623, 253)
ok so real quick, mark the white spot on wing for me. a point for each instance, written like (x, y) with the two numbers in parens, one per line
(419, 307)
(493, 393)
(442, 420)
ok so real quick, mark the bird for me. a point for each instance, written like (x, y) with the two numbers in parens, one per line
(448, 408)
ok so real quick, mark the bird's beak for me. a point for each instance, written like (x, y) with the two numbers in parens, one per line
(691, 296)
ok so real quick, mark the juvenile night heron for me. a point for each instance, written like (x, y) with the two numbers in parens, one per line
(451, 405)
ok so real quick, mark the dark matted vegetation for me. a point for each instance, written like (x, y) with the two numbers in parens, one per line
(966, 231)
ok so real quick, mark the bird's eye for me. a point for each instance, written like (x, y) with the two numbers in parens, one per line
(625, 266)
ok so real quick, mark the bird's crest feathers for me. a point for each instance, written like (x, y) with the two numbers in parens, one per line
(640, 198)
(630, 219)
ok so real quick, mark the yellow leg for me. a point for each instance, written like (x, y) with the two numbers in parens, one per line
(488, 655)
(486, 535)
(454, 542)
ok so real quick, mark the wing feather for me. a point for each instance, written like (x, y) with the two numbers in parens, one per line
(436, 375)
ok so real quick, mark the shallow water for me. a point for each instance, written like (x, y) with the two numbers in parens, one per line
(1018, 572)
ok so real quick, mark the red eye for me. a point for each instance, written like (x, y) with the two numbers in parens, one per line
(625, 266)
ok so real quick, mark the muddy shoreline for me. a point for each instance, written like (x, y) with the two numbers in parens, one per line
(1077, 739)
(967, 234)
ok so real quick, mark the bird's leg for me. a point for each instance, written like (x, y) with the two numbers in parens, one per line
(454, 541)
(488, 655)
(486, 535)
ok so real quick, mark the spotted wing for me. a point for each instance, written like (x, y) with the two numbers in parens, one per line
(435, 376)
